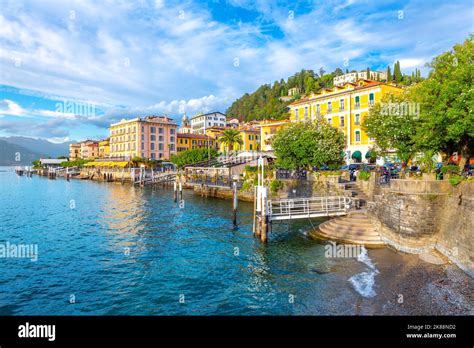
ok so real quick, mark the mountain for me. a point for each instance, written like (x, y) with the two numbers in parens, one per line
(271, 101)
(16, 155)
(42, 146)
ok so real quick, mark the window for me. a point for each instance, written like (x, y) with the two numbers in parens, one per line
(160, 147)
(160, 138)
(329, 121)
(296, 114)
(318, 109)
(152, 130)
(357, 102)
(357, 135)
(172, 131)
(329, 107)
(172, 139)
(152, 146)
(160, 130)
(171, 147)
(251, 148)
(371, 99)
(342, 121)
(143, 147)
(357, 119)
(152, 155)
(341, 105)
(305, 113)
(152, 137)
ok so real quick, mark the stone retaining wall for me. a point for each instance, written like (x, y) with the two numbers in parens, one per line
(416, 216)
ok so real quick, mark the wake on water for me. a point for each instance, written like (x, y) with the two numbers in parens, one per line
(364, 282)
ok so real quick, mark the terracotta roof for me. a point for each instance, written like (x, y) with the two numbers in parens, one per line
(193, 136)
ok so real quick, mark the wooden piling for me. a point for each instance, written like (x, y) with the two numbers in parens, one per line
(175, 192)
(234, 210)
(180, 191)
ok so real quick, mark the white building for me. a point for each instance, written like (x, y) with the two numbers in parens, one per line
(352, 77)
(201, 122)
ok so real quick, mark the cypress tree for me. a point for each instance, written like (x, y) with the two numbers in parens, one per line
(389, 74)
(397, 73)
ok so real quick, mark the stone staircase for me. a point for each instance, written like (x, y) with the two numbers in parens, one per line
(357, 193)
(354, 228)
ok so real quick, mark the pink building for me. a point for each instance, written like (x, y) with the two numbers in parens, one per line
(152, 137)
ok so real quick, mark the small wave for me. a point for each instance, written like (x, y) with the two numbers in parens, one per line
(364, 282)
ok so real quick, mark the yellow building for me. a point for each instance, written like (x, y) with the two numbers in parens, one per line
(268, 129)
(104, 148)
(74, 151)
(344, 107)
(250, 135)
(190, 141)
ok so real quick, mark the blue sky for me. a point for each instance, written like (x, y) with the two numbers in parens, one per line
(69, 68)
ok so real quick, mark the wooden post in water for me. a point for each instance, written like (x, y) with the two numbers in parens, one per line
(254, 210)
(175, 192)
(264, 218)
(180, 191)
(234, 210)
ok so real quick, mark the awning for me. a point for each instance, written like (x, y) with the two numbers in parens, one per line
(370, 154)
(357, 154)
(118, 164)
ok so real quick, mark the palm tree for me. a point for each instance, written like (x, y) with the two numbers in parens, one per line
(230, 137)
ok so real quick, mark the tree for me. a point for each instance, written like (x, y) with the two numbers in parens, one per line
(389, 74)
(230, 137)
(304, 145)
(392, 126)
(446, 100)
(188, 157)
(397, 72)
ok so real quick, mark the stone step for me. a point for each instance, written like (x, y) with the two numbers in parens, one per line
(370, 234)
(356, 223)
(355, 228)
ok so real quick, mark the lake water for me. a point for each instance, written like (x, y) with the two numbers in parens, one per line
(114, 249)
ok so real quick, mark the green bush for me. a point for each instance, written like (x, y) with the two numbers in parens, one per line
(364, 176)
(77, 163)
(276, 185)
(185, 158)
(450, 169)
(455, 180)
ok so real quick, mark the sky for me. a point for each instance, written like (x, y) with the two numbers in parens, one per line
(69, 68)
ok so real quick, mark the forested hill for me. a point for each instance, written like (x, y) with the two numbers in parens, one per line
(265, 102)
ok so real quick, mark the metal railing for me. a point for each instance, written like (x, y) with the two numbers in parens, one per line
(299, 208)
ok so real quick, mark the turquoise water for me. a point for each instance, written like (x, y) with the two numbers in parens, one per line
(122, 250)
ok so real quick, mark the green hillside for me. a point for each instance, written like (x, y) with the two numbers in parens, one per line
(265, 102)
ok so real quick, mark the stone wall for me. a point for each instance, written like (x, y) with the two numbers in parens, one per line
(416, 216)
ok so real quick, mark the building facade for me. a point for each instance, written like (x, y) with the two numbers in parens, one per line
(201, 122)
(74, 151)
(344, 107)
(89, 149)
(268, 128)
(185, 125)
(195, 141)
(104, 148)
(152, 137)
(352, 77)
